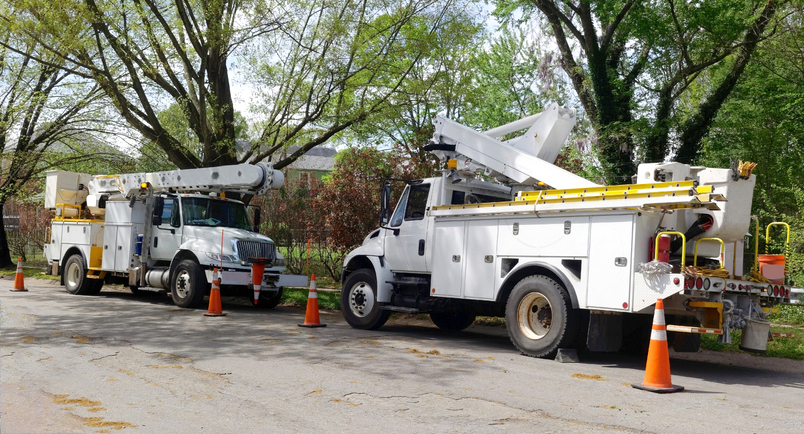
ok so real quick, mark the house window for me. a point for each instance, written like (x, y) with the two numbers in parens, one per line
(305, 179)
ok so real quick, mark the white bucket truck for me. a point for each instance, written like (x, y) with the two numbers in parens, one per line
(164, 231)
(576, 264)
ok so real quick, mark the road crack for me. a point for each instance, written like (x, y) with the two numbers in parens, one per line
(532, 412)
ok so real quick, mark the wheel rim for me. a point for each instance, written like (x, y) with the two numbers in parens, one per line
(73, 275)
(183, 284)
(535, 316)
(361, 299)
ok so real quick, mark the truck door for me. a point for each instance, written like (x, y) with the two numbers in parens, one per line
(167, 236)
(406, 250)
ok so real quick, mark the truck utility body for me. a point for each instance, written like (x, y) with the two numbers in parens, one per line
(574, 264)
(164, 231)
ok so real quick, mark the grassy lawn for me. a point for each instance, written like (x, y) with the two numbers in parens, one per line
(298, 297)
(788, 319)
(790, 348)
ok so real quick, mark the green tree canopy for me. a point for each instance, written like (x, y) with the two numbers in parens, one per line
(316, 68)
(630, 62)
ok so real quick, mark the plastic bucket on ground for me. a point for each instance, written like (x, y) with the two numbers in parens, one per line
(755, 335)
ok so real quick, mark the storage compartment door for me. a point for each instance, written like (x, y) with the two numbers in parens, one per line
(448, 260)
(481, 259)
(611, 265)
(109, 247)
(124, 249)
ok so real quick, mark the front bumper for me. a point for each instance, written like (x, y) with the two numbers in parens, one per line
(269, 280)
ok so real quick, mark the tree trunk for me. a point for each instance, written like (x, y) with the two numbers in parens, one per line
(5, 253)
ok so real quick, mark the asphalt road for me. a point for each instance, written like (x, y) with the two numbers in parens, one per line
(116, 363)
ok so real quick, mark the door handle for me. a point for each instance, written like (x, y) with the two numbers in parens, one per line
(421, 247)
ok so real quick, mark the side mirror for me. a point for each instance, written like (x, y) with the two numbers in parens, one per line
(256, 220)
(385, 203)
(159, 206)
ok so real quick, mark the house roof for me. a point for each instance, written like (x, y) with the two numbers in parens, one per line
(318, 158)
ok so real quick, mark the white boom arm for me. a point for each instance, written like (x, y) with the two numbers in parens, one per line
(241, 178)
(523, 160)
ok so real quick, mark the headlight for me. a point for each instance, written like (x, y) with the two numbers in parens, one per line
(280, 261)
(219, 257)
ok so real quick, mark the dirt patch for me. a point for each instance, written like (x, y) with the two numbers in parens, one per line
(588, 377)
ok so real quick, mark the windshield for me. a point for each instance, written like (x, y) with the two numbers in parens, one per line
(211, 212)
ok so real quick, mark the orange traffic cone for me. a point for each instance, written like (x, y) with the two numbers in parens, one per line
(215, 308)
(257, 271)
(19, 285)
(657, 370)
(311, 317)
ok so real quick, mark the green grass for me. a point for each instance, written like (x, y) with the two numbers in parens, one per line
(788, 314)
(789, 348)
(28, 273)
(298, 297)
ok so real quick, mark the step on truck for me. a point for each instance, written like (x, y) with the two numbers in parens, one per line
(165, 232)
(568, 263)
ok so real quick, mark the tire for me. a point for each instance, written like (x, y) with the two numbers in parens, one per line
(188, 284)
(540, 318)
(75, 276)
(453, 321)
(359, 301)
(95, 286)
(269, 300)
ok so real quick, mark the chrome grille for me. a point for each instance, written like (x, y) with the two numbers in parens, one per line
(247, 251)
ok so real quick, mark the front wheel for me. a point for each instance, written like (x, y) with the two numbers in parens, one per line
(269, 300)
(359, 301)
(188, 285)
(540, 318)
(454, 321)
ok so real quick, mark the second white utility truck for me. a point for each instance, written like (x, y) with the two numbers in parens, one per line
(165, 231)
(570, 265)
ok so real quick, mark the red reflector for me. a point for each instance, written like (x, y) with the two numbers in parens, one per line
(625, 305)
(699, 283)
(689, 283)
(676, 280)
(787, 293)
(664, 249)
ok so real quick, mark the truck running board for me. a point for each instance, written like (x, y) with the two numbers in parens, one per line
(400, 309)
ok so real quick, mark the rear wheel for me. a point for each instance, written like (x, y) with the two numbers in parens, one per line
(540, 318)
(454, 321)
(75, 276)
(189, 284)
(359, 301)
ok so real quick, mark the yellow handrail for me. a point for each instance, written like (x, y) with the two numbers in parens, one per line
(683, 244)
(722, 250)
(756, 244)
(786, 243)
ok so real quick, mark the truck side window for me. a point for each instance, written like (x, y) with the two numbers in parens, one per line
(396, 219)
(417, 202)
(458, 198)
